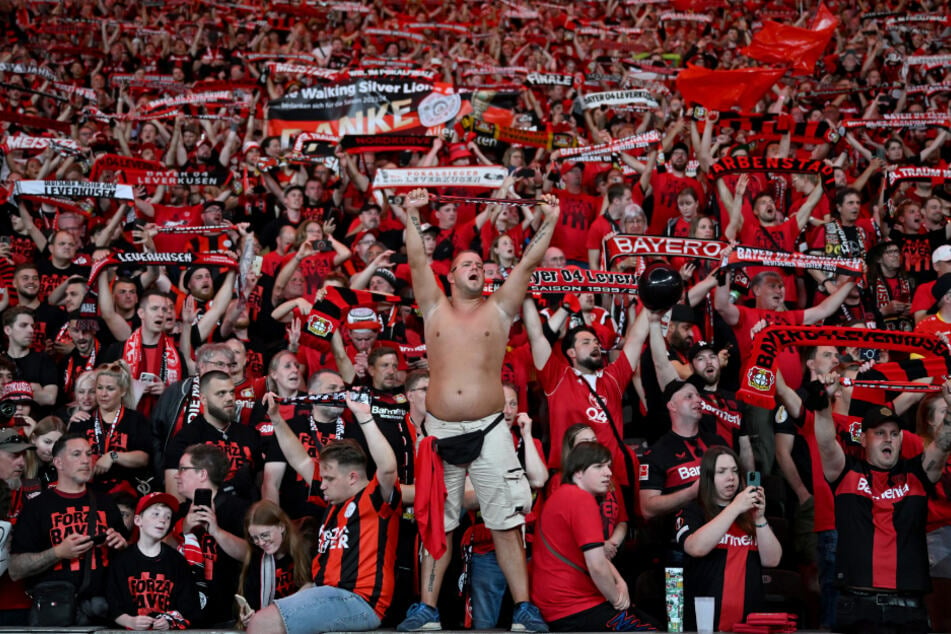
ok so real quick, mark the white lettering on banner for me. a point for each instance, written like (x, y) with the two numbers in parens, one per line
(334, 539)
(735, 541)
(686, 473)
(647, 245)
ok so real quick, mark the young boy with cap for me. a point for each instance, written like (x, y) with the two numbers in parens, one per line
(150, 586)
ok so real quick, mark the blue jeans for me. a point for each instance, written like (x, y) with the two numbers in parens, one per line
(326, 609)
(488, 590)
(828, 593)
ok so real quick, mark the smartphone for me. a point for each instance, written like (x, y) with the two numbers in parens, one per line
(148, 377)
(398, 258)
(257, 264)
(525, 172)
(99, 539)
(203, 497)
(752, 479)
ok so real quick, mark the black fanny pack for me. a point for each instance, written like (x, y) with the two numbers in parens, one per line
(463, 449)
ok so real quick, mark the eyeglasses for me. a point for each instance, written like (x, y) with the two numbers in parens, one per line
(183, 468)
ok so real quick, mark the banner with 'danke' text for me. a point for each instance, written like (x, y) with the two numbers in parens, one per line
(365, 104)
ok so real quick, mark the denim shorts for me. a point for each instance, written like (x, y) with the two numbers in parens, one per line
(326, 609)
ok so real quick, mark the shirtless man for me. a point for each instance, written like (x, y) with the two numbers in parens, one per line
(465, 339)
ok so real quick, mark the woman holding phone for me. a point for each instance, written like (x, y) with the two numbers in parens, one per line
(727, 540)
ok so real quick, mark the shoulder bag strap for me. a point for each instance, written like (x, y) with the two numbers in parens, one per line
(91, 532)
(559, 556)
(625, 453)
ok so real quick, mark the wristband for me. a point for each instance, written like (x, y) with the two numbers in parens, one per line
(763, 525)
(366, 422)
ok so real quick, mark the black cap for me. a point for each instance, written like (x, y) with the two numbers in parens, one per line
(682, 312)
(699, 347)
(876, 416)
(941, 287)
(212, 203)
(673, 387)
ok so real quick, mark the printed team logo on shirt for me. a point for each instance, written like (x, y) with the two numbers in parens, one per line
(643, 472)
(351, 509)
(594, 412)
(855, 432)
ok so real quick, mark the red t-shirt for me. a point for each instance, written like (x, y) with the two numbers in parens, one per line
(578, 212)
(781, 237)
(667, 187)
(570, 401)
(571, 525)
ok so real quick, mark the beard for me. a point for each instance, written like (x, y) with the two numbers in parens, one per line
(592, 363)
(220, 413)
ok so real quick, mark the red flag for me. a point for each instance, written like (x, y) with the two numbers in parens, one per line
(778, 43)
(725, 89)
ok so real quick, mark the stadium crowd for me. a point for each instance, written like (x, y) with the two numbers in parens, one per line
(271, 329)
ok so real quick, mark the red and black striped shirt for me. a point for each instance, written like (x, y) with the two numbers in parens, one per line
(357, 546)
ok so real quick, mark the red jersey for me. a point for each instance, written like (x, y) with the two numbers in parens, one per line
(348, 552)
(570, 401)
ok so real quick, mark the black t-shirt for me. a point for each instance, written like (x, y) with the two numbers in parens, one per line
(916, 250)
(283, 578)
(294, 491)
(389, 408)
(132, 432)
(240, 443)
(216, 575)
(51, 517)
(51, 276)
(148, 586)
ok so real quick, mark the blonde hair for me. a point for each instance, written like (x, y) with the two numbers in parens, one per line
(119, 370)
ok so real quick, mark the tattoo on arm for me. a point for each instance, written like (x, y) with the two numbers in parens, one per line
(541, 233)
(415, 221)
(29, 564)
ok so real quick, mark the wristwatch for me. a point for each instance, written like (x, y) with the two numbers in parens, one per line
(114, 455)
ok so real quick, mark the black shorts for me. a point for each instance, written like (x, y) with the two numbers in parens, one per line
(604, 618)
(880, 614)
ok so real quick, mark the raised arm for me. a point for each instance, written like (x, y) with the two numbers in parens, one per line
(666, 373)
(935, 456)
(828, 306)
(294, 452)
(510, 295)
(380, 450)
(425, 287)
(541, 348)
(830, 451)
(802, 215)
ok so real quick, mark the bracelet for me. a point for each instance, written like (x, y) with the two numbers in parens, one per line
(365, 422)
(763, 525)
